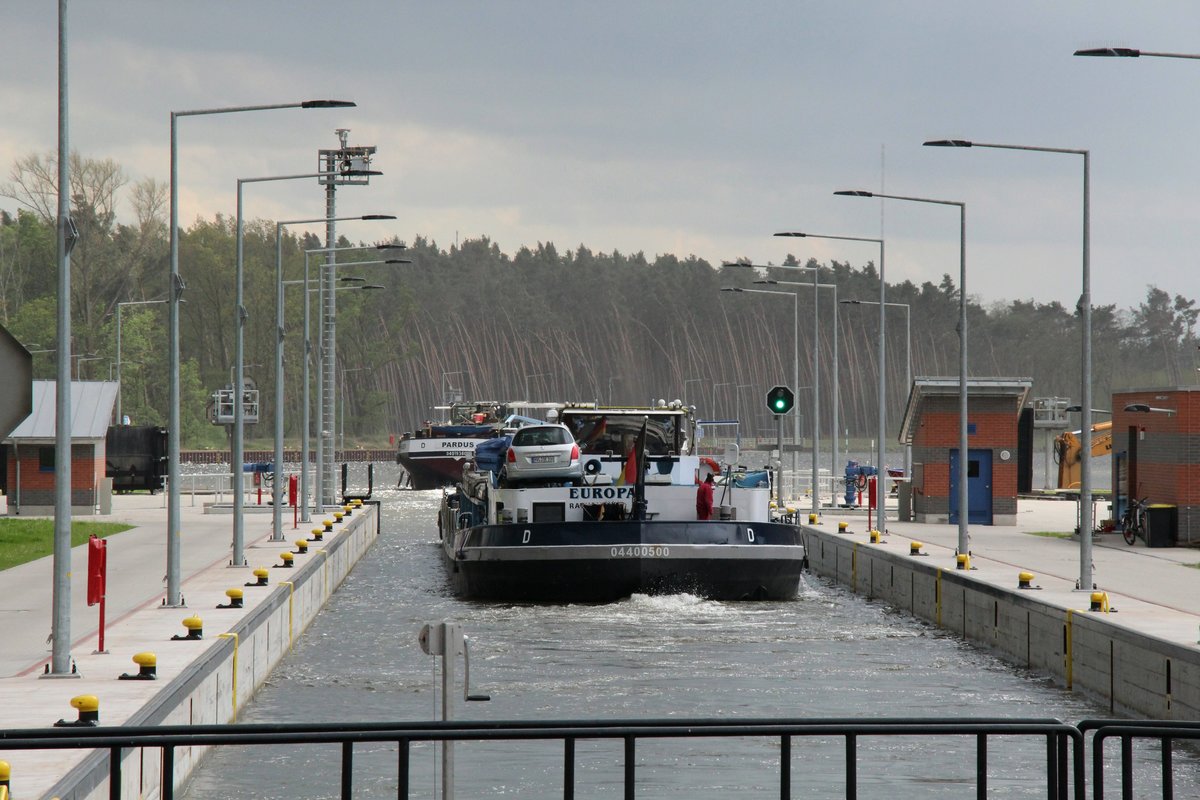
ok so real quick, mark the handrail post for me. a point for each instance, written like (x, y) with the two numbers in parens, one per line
(785, 767)
(1126, 767)
(166, 789)
(630, 754)
(981, 745)
(114, 773)
(1168, 780)
(851, 767)
(347, 770)
(569, 768)
(402, 768)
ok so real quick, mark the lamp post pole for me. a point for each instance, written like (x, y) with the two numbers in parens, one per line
(174, 598)
(543, 375)
(277, 495)
(834, 455)
(1086, 524)
(306, 422)
(237, 456)
(120, 416)
(881, 451)
(796, 382)
(964, 542)
(907, 361)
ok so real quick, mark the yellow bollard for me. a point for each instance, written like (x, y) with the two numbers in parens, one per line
(843, 527)
(1024, 580)
(812, 519)
(147, 668)
(318, 534)
(1100, 602)
(337, 517)
(963, 561)
(328, 525)
(261, 575)
(287, 559)
(5, 777)
(301, 547)
(195, 630)
(874, 537)
(235, 598)
(348, 509)
(914, 548)
(358, 503)
(88, 706)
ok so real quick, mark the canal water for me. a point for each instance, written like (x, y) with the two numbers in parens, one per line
(828, 653)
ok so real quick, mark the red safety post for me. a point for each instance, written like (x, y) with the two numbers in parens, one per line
(97, 580)
(258, 485)
(870, 501)
(293, 490)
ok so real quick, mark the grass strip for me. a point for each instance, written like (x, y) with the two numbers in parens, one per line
(24, 540)
(1051, 534)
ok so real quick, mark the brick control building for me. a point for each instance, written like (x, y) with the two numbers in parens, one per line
(30, 450)
(931, 425)
(1156, 453)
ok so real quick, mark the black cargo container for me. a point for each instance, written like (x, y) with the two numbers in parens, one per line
(136, 457)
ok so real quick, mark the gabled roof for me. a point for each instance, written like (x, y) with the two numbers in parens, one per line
(922, 388)
(91, 410)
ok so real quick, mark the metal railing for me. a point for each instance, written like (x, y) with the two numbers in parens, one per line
(1064, 762)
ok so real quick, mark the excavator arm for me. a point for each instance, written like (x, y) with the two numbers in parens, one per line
(1068, 452)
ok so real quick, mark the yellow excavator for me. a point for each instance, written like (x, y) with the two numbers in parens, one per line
(1067, 452)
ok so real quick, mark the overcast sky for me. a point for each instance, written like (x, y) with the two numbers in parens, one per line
(686, 127)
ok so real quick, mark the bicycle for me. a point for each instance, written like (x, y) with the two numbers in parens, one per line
(1133, 521)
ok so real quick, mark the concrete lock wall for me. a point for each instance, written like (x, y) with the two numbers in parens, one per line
(1132, 673)
(215, 686)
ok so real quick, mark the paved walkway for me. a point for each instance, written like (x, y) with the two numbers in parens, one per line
(136, 619)
(1153, 590)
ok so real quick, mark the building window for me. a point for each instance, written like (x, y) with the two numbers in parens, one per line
(46, 459)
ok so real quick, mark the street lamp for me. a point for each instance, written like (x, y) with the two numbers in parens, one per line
(714, 394)
(174, 599)
(240, 314)
(834, 455)
(907, 360)
(881, 451)
(120, 416)
(1129, 52)
(964, 542)
(277, 492)
(796, 382)
(1086, 525)
(305, 419)
(79, 363)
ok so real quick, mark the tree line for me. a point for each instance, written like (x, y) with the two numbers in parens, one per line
(538, 324)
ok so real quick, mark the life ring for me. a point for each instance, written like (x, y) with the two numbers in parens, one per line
(705, 461)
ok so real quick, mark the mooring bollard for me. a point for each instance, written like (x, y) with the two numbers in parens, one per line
(874, 537)
(195, 630)
(260, 575)
(318, 534)
(963, 561)
(5, 777)
(1024, 580)
(843, 527)
(287, 559)
(328, 525)
(1100, 602)
(301, 547)
(235, 598)
(337, 517)
(88, 706)
(914, 548)
(147, 668)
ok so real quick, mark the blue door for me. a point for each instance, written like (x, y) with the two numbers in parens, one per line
(979, 487)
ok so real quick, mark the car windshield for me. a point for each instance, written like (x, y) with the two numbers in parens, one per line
(540, 437)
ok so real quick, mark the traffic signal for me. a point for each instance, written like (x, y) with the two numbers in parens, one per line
(780, 400)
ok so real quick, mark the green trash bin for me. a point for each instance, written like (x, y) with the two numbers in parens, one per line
(1162, 525)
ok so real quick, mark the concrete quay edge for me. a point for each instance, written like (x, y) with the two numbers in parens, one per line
(199, 681)
(1140, 658)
